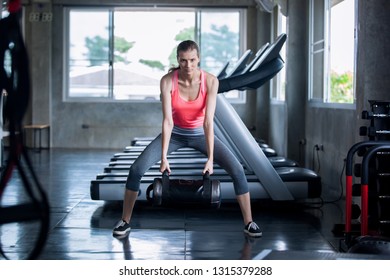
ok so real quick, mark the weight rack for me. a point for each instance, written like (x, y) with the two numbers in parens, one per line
(374, 186)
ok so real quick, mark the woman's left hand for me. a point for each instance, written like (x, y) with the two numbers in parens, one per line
(209, 167)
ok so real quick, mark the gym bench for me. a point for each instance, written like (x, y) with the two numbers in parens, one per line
(37, 129)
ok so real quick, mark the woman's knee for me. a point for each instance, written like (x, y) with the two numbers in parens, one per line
(236, 172)
(239, 181)
(134, 178)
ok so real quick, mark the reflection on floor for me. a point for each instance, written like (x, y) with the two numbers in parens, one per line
(81, 228)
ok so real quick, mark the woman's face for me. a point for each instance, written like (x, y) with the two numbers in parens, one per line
(188, 60)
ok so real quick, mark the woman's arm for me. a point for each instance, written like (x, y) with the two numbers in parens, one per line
(208, 125)
(167, 122)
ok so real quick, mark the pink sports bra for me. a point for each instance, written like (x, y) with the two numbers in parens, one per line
(188, 114)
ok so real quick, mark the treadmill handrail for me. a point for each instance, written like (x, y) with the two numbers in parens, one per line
(240, 64)
(258, 55)
(271, 52)
(266, 67)
(242, 141)
(222, 74)
(252, 79)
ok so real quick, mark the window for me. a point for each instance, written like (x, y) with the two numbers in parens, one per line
(110, 57)
(317, 50)
(342, 52)
(220, 43)
(331, 51)
(89, 66)
(278, 84)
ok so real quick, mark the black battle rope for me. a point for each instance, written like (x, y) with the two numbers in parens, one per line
(15, 81)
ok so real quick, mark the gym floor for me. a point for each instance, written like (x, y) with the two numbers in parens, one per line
(81, 228)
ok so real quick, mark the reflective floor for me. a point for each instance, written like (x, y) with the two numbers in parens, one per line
(81, 228)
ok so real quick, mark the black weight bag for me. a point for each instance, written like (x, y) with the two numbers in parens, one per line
(179, 192)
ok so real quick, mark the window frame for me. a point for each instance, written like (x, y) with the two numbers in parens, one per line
(324, 100)
(276, 83)
(110, 97)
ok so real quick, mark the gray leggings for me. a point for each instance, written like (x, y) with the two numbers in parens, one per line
(222, 156)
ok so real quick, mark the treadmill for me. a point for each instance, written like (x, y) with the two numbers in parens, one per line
(265, 180)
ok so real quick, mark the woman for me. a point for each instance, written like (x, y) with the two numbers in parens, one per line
(188, 104)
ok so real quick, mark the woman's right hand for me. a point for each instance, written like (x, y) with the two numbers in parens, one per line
(164, 165)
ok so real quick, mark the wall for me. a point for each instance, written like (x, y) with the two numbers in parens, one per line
(287, 122)
(334, 130)
(287, 119)
(278, 127)
(373, 75)
(38, 36)
(263, 34)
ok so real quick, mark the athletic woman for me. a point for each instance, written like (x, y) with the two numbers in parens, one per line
(188, 104)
